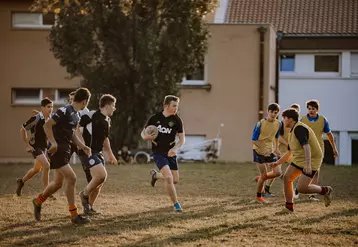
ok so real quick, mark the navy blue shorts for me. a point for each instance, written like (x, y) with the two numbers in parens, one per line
(258, 158)
(89, 162)
(162, 159)
(38, 151)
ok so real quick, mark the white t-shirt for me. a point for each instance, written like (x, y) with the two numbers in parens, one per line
(82, 113)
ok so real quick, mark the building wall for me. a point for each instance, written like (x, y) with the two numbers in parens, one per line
(336, 92)
(232, 69)
(25, 62)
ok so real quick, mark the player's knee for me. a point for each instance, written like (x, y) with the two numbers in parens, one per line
(175, 180)
(169, 179)
(102, 179)
(302, 188)
(71, 180)
(263, 177)
(46, 166)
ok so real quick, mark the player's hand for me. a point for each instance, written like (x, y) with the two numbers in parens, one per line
(308, 169)
(112, 159)
(172, 152)
(29, 149)
(273, 164)
(335, 153)
(149, 137)
(87, 150)
(53, 148)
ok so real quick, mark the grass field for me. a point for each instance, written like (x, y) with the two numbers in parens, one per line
(219, 210)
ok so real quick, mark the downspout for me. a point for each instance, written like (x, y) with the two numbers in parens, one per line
(277, 77)
(262, 30)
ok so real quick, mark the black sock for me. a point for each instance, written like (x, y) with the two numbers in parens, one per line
(258, 194)
(324, 190)
(267, 188)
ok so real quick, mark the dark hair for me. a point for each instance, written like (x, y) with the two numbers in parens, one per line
(106, 99)
(72, 93)
(291, 113)
(82, 94)
(313, 103)
(273, 107)
(295, 106)
(170, 98)
(45, 102)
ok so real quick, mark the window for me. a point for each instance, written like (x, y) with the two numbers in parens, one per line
(26, 95)
(287, 63)
(32, 20)
(197, 77)
(61, 96)
(326, 63)
(354, 64)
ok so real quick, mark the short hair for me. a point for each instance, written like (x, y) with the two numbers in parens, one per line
(81, 94)
(296, 106)
(45, 102)
(273, 107)
(72, 93)
(313, 103)
(106, 99)
(170, 98)
(291, 113)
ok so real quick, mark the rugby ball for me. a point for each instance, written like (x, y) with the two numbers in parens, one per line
(152, 129)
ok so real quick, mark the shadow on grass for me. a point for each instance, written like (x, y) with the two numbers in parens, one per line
(192, 236)
(349, 212)
(57, 229)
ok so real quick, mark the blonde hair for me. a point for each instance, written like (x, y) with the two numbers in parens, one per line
(170, 98)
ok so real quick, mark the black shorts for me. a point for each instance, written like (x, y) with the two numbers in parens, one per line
(300, 168)
(93, 160)
(38, 151)
(60, 158)
(258, 158)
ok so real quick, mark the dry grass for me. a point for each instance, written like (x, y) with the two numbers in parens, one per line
(219, 205)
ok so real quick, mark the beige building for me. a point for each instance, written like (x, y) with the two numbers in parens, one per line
(230, 91)
(237, 83)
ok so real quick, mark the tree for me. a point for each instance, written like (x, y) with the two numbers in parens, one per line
(136, 50)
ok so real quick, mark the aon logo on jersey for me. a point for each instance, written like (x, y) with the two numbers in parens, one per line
(164, 130)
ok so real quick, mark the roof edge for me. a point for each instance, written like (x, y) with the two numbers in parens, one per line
(317, 35)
